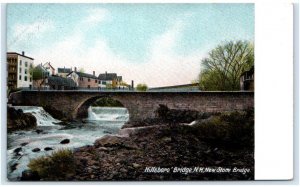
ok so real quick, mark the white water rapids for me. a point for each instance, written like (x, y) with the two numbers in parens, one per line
(100, 121)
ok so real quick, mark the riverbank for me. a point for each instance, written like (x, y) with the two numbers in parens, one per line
(18, 120)
(222, 144)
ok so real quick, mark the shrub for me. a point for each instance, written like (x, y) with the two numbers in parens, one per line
(58, 166)
(229, 129)
(141, 87)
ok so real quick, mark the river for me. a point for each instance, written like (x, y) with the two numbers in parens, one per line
(48, 134)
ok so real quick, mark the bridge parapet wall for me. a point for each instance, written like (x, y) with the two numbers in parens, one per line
(140, 105)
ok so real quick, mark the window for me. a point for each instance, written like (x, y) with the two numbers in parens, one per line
(20, 62)
(89, 86)
(20, 77)
(26, 64)
(95, 81)
(104, 82)
(31, 66)
(25, 78)
(20, 70)
(25, 71)
(89, 80)
(30, 79)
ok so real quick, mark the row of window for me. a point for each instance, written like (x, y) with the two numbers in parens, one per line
(25, 70)
(25, 78)
(26, 64)
(89, 80)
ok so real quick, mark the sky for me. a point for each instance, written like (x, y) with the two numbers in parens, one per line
(155, 44)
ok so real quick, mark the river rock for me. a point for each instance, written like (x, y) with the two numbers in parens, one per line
(48, 148)
(135, 165)
(54, 112)
(38, 131)
(36, 150)
(17, 120)
(29, 175)
(65, 141)
(23, 144)
(63, 123)
(115, 142)
(14, 167)
(17, 150)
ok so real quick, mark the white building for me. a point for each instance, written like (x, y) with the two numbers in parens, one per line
(49, 68)
(19, 67)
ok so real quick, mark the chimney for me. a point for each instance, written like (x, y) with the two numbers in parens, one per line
(132, 84)
(94, 73)
(75, 69)
(23, 53)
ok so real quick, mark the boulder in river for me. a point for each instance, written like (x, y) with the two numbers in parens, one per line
(48, 148)
(18, 120)
(17, 150)
(23, 144)
(36, 150)
(65, 141)
(38, 131)
(29, 175)
(14, 166)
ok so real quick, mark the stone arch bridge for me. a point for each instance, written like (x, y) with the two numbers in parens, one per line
(74, 104)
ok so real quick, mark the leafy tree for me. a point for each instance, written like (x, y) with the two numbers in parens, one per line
(142, 87)
(38, 75)
(225, 64)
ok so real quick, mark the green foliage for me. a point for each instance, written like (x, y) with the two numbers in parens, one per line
(231, 129)
(107, 102)
(58, 166)
(142, 87)
(222, 69)
(37, 73)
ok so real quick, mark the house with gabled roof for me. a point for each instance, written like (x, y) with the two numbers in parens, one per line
(63, 72)
(109, 80)
(49, 68)
(84, 80)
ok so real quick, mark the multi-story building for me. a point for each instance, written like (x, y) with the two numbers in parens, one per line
(19, 70)
(109, 80)
(84, 80)
(247, 80)
(63, 72)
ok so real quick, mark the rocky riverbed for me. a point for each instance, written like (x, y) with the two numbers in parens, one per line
(170, 148)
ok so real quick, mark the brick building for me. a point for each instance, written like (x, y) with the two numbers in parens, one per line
(84, 80)
(18, 70)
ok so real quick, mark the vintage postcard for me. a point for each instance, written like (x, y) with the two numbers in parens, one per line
(130, 92)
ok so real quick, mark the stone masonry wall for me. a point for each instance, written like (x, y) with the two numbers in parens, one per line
(140, 105)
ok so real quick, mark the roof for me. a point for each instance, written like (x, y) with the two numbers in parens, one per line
(41, 68)
(49, 65)
(64, 70)
(80, 74)
(56, 80)
(15, 53)
(107, 76)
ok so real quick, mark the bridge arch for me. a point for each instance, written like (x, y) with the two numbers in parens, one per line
(81, 111)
